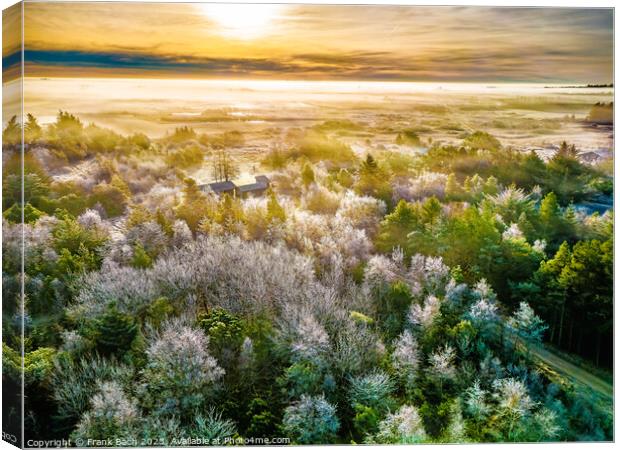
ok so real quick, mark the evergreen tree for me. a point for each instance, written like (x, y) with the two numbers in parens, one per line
(225, 332)
(491, 186)
(453, 189)
(526, 324)
(431, 212)
(163, 222)
(114, 331)
(534, 170)
(141, 259)
(275, 211)
(195, 206)
(12, 133)
(307, 175)
(370, 164)
(32, 130)
(526, 227)
(549, 213)
(567, 151)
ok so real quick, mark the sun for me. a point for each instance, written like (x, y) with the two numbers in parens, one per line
(242, 21)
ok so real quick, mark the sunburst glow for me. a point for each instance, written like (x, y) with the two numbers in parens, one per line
(242, 21)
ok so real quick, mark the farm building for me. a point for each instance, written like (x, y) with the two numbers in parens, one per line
(255, 189)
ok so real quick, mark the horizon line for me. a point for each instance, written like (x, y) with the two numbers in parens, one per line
(167, 77)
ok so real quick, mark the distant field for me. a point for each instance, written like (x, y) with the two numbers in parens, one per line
(519, 115)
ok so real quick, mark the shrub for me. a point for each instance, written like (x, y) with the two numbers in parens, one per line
(187, 157)
(111, 197)
(481, 140)
(408, 137)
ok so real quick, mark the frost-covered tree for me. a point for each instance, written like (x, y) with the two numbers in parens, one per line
(209, 427)
(441, 363)
(91, 220)
(238, 276)
(476, 402)
(483, 290)
(483, 313)
(75, 383)
(112, 414)
(381, 271)
(181, 234)
(423, 316)
(132, 289)
(526, 324)
(179, 371)
(73, 342)
(402, 427)
(363, 212)
(543, 426)
(514, 404)
(406, 356)
(343, 241)
(38, 241)
(539, 246)
(320, 200)
(327, 238)
(311, 342)
(425, 185)
(150, 236)
(511, 203)
(513, 233)
(357, 348)
(311, 420)
(428, 275)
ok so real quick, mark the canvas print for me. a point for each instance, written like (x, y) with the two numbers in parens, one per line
(290, 224)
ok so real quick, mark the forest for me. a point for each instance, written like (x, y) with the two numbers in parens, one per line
(386, 297)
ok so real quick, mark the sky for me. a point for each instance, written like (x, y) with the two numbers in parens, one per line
(318, 42)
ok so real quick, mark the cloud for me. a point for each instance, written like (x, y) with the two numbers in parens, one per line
(329, 42)
(445, 65)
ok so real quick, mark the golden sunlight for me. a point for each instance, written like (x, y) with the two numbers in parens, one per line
(242, 21)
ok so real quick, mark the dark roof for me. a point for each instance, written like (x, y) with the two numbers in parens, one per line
(262, 179)
(222, 186)
(252, 187)
(590, 155)
(262, 183)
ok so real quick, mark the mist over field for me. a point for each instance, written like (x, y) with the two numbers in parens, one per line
(523, 116)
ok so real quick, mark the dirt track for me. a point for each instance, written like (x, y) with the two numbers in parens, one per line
(573, 372)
